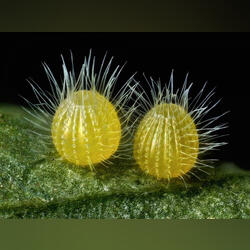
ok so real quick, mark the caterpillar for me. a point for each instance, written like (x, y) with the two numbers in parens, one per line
(83, 118)
(172, 134)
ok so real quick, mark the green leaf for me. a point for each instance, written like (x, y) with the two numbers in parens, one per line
(36, 183)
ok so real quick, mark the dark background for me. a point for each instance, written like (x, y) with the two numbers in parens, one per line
(222, 59)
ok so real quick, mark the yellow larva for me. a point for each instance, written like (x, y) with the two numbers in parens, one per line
(167, 142)
(83, 119)
(86, 128)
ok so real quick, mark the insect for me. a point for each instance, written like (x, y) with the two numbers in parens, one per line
(172, 133)
(84, 119)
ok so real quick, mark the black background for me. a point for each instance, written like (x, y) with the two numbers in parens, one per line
(222, 59)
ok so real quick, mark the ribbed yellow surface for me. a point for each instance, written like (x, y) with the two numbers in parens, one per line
(86, 128)
(166, 143)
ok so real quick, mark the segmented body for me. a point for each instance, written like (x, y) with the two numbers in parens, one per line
(166, 143)
(86, 128)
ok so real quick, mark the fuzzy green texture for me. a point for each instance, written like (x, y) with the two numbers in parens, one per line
(35, 183)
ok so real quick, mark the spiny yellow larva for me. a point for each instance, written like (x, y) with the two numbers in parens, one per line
(86, 128)
(83, 120)
(171, 134)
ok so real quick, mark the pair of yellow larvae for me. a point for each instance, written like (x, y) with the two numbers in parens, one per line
(87, 128)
